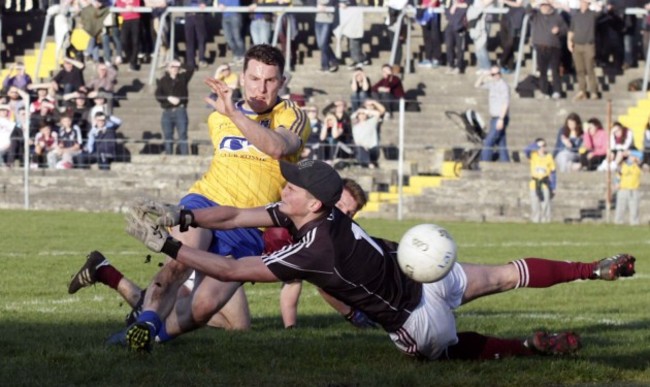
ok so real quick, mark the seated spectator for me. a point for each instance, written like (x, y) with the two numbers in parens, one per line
(104, 80)
(14, 100)
(7, 126)
(365, 132)
(80, 110)
(101, 146)
(101, 103)
(340, 110)
(17, 77)
(70, 78)
(330, 136)
(595, 145)
(360, 86)
(44, 142)
(42, 94)
(621, 141)
(312, 148)
(388, 90)
(567, 146)
(46, 114)
(68, 145)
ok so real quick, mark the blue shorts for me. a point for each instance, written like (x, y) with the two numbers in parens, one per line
(239, 242)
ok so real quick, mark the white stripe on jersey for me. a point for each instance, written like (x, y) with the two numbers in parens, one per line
(289, 250)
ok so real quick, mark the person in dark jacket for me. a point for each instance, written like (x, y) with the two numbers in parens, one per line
(172, 94)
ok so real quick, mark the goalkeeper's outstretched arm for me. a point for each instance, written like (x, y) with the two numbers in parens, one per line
(226, 218)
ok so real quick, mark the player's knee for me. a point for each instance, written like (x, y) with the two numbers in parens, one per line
(203, 308)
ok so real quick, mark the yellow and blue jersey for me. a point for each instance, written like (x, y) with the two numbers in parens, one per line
(241, 175)
(542, 167)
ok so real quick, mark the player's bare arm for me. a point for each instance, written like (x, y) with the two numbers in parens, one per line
(248, 269)
(226, 218)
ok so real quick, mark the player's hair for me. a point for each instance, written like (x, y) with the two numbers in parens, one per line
(356, 191)
(266, 54)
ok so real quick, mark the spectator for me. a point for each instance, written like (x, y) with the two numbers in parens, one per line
(130, 31)
(231, 79)
(343, 120)
(17, 147)
(543, 181)
(7, 126)
(42, 95)
(101, 103)
(195, 34)
(388, 90)
(17, 77)
(80, 111)
(70, 78)
(112, 33)
(455, 36)
(646, 145)
(360, 86)
(15, 101)
(101, 147)
(568, 144)
(260, 26)
(330, 136)
(365, 132)
(627, 189)
(158, 9)
(47, 114)
(595, 144)
(581, 42)
(510, 28)
(351, 22)
(395, 8)
(44, 142)
(479, 33)
(429, 20)
(173, 95)
(499, 108)
(68, 145)
(312, 149)
(104, 80)
(323, 26)
(232, 23)
(92, 15)
(547, 28)
(620, 142)
(286, 40)
(609, 41)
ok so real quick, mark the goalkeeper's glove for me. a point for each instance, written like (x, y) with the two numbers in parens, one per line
(359, 319)
(163, 214)
(154, 236)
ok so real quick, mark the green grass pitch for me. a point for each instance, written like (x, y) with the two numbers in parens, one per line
(50, 338)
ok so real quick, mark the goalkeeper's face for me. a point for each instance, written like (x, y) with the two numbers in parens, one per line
(261, 84)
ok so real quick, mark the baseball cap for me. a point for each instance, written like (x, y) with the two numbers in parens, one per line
(315, 176)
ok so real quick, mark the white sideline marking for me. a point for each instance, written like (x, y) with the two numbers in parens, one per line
(545, 244)
(80, 254)
(545, 316)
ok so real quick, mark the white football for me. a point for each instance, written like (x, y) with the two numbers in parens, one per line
(426, 253)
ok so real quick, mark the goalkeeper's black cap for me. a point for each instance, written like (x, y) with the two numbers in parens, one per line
(317, 177)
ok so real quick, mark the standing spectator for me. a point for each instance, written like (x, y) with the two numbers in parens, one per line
(360, 86)
(429, 20)
(68, 145)
(7, 126)
(455, 36)
(395, 8)
(568, 144)
(312, 149)
(92, 15)
(543, 181)
(17, 148)
(70, 78)
(260, 26)
(195, 34)
(17, 77)
(130, 31)
(365, 132)
(388, 90)
(101, 147)
(172, 94)
(323, 26)
(232, 23)
(581, 42)
(286, 38)
(479, 33)
(44, 142)
(595, 144)
(547, 28)
(351, 22)
(510, 28)
(499, 108)
(627, 190)
(610, 41)
(112, 33)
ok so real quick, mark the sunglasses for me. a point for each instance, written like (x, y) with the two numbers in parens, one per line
(494, 74)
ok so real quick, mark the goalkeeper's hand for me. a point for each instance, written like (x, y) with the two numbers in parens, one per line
(152, 235)
(168, 215)
(359, 319)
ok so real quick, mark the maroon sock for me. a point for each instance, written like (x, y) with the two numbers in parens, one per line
(109, 275)
(542, 273)
(474, 346)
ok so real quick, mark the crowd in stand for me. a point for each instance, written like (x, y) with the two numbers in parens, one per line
(65, 129)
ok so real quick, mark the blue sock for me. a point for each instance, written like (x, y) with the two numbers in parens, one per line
(152, 317)
(163, 336)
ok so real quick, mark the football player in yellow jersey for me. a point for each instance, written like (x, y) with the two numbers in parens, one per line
(542, 182)
(249, 138)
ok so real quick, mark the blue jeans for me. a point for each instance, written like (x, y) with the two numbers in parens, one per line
(232, 31)
(496, 138)
(114, 35)
(92, 50)
(323, 36)
(261, 31)
(357, 99)
(482, 57)
(175, 117)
